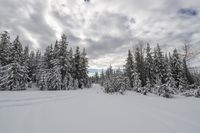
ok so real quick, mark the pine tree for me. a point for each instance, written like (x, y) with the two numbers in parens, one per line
(149, 65)
(16, 51)
(14, 75)
(4, 48)
(75, 84)
(137, 82)
(96, 76)
(186, 72)
(176, 68)
(64, 61)
(49, 55)
(109, 73)
(31, 66)
(148, 85)
(159, 64)
(84, 68)
(76, 67)
(54, 79)
(102, 77)
(170, 81)
(140, 65)
(129, 68)
(71, 61)
(25, 56)
(70, 83)
(42, 74)
(36, 65)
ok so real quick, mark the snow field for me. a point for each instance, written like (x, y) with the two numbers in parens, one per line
(93, 111)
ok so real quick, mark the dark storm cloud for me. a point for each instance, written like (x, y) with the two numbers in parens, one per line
(188, 11)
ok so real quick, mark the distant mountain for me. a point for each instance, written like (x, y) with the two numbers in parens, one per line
(92, 71)
(195, 69)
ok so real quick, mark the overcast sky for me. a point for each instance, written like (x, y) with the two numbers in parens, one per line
(106, 28)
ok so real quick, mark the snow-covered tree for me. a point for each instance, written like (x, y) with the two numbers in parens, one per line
(80, 68)
(84, 68)
(96, 77)
(140, 65)
(159, 64)
(54, 79)
(109, 73)
(170, 81)
(137, 82)
(71, 61)
(16, 51)
(49, 55)
(149, 65)
(14, 75)
(75, 84)
(148, 85)
(102, 77)
(64, 61)
(4, 48)
(176, 68)
(31, 66)
(76, 67)
(129, 68)
(42, 74)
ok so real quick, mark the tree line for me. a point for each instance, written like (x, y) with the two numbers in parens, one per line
(57, 69)
(152, 71)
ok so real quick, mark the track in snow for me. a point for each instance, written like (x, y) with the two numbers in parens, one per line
(92, 111)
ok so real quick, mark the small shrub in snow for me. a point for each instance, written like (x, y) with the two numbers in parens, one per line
(197, 92)
(115, 84)
(143, 90)
(30, 84)
(188, 93)
(165, 91)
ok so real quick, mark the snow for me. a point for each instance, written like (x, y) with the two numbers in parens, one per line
(93, 111)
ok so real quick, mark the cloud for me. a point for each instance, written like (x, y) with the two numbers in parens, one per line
(107, 29)
(188, 12)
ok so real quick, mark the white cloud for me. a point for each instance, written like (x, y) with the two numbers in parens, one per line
(107, 28)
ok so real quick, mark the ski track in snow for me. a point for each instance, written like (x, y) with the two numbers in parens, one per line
(14, 102)
(93, 111)
(157, 114)
(35, 100)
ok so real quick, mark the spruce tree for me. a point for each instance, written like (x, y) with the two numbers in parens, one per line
(102, 77)
(25, 56)
(140, 65)
(48, 56)
(54, 77)
(159, 64)
(16, 51)
(137, 82)
(14, 75)
(4, 48)
(149, 65)
(64, 61)
(129, 68)
(186, 73)
(84, 68)
(76, 67)
(31, 66)
(96, 76)
(176, 68)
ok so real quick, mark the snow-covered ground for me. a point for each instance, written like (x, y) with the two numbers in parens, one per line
(92, 111)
